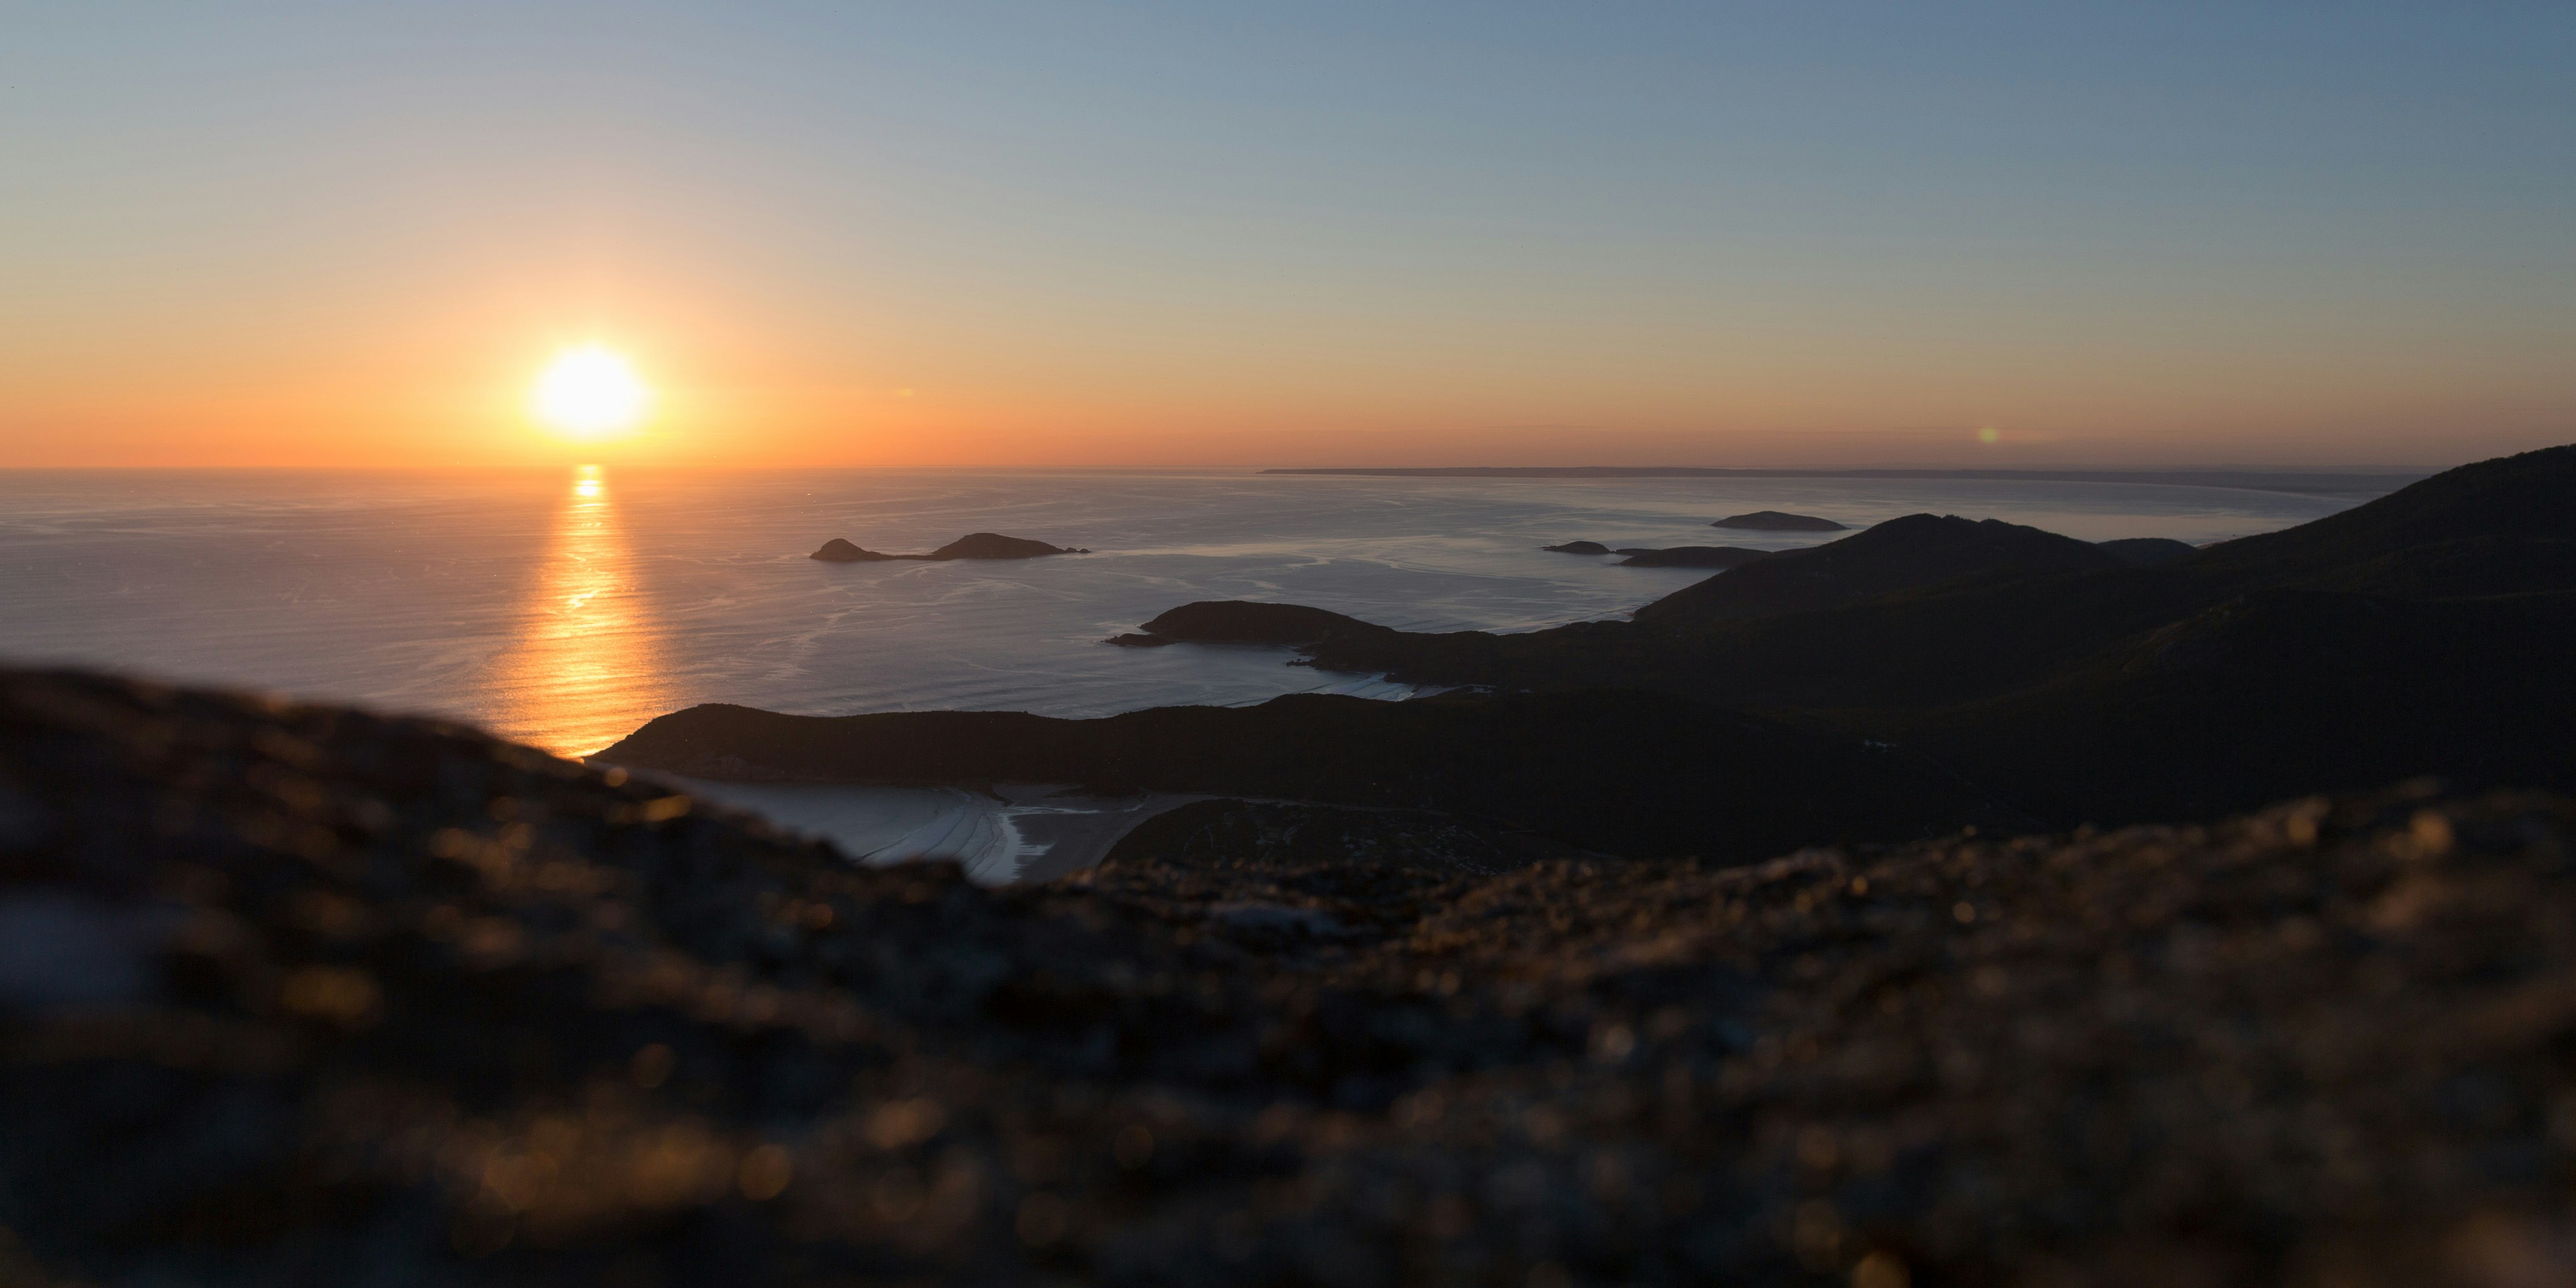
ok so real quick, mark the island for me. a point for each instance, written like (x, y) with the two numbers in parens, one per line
(1237, 621)
(974, 545)
(1579, 548)
(1775, 521)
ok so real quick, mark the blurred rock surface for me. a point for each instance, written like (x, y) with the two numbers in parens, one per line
(303, 995)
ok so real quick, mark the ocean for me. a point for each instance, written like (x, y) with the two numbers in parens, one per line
(564, 608)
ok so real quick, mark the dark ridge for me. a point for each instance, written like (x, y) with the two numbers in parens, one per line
(1775, 521)
(2279, 692)
(2033, 678)
(1984, 609)
(1899, 555)
(1579, 548)
(974, 545)
(2146, 552)
(1691, 557)
(2513, 499)
(301, 995)
(1624, 772)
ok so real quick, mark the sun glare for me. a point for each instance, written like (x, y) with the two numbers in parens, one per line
(590, 392)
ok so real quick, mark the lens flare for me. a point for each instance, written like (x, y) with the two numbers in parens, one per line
(590, 392)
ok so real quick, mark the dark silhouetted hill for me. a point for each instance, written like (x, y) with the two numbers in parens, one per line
(1898, 555)
(2278, 692)
(2410, 635)
(2146, 552)
(2512, 499)
(1629, 773)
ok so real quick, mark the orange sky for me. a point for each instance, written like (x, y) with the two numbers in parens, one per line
(450, 386)
(435, 370)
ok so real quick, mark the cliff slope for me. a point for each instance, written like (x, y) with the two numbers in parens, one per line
(1626, 772)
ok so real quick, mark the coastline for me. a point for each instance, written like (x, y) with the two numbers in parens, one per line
(1001, 834)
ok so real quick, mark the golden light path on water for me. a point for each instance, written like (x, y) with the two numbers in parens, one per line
(584, 666)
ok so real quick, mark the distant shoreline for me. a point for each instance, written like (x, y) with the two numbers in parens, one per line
(2322, 483)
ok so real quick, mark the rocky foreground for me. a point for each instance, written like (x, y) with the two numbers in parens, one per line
(298, 995)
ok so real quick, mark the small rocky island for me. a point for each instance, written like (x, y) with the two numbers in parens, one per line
(974, 545)
(1579, 548)
(1775, 521)
(1236, 621)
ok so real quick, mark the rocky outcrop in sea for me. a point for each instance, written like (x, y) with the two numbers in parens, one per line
(974, 545)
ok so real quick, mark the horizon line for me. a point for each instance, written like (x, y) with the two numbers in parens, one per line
(1528, 471)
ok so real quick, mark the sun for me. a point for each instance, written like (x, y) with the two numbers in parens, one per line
(590, 392)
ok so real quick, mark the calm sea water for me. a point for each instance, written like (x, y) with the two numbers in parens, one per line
(564, 608)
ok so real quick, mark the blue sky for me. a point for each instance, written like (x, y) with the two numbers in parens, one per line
(2151, 232)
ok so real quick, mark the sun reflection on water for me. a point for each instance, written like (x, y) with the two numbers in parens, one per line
(584, 667)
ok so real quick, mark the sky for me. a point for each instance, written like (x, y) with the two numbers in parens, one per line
(1225, 235)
